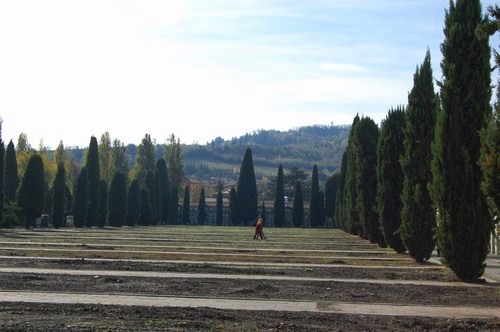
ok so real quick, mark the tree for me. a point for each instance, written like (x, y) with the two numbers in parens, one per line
(145, 158)
(145, 215)
(202, 208)
(119, 158)
(298, 206)
(340, 197)
(219, 209)
(149, 184)
(173, 156)
(331, 189)
(186, 207)
(60, 154)
(118, 200)
(103, 203)
(490, 136)
(314, 202)
(59, 197)
(11, 174)
(464, 224)
(81, 193)
(2, 176)
(92, 165)
(418, 216)
(321, 209)
(233, 207)
(164, 191)
(247, 190)
(390, 177)
(296, 174)
(279, 199)
(365, 146)
(32, 190)
(105, 166)
(173, 209)
(133, 203)
(22, 143)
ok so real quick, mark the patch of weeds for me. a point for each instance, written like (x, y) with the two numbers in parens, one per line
(157, 323)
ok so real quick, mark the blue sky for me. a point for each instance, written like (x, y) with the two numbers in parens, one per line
(206, 68)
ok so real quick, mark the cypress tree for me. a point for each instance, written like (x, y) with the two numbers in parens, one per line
(32, 190)
(11, 173)
(418, 217)
(340, 196)
(164, 195)
(59, 197)
(133, 203)
(321, 209)
(174, 207)
(233, 207)
(464, 224)
(103, 204)
(202, 208)
(68, 201)
(93, 174)
(298, 206)
(365, 143)
(314, 213)
(145, 216)
(81, 202)
(2, 177)
(219, 209)
(149, 183)
(331, 189)
(186, 206)
(247, 190)
(279, 200)
(118, 200)
(349, 214)
(390, 177)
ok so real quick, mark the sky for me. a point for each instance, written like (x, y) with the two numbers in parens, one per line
(201, 69)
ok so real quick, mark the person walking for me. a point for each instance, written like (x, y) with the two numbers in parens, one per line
(258, 230)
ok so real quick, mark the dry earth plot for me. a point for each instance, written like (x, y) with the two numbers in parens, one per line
(220, 279)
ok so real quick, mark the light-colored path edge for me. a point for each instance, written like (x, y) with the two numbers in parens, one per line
(253, 304)
(181, 275)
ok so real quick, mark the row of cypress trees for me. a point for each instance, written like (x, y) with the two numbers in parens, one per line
(428, 162)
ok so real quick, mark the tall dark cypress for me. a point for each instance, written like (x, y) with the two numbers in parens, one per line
(314, 213)
(118, 200)
(164, 196)
(133, 203)
(173, 209)
(365, 146)
(146, 215)
(2, 177)
(103, 204)
(331, 189)
(247, 190)
(279, 200)
(464, 224)
(340, 196)
(59, 197)
(186, 208)
(93, 172)
(202, 215)
(298, 206)
(418, 216)
(149, 183)
(11, 173)
(32, 190)
(81, 202)
(321, 209)
(390, 177)
(233, 207)
(219, 212)
(349, 214)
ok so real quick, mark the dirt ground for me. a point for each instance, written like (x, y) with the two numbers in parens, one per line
(52, 317)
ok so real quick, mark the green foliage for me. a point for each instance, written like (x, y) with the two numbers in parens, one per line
(202, 215)
(298, 206)
(81, 193)
(417, 213)
(173, 213)
(340, 197)
(145, 216)
(59, 197)
(105, 166)
(365, 146)
(464, 224)
(118, 200)
(119, 158)
(133, 203)
(247, 190)
(233, 207)
(219, 209)
(2, 176)
(145, 158)
(279, 200)
(321, 209)
(314, 213)
(390, 177)
(173, 156)
(103, 204)
(149, 184)
(11, 175)
(186, 206)
(331, 189)
(164, 191)
(92, 165)
(32, 190)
